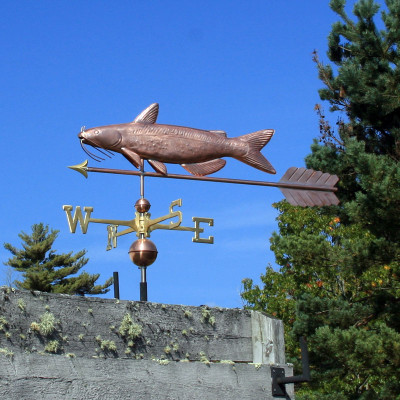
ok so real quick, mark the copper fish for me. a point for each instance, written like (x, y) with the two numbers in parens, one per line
(198, 151)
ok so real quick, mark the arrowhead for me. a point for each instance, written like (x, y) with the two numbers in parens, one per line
(82, 168)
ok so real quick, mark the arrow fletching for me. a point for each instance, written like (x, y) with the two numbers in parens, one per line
(306, 187)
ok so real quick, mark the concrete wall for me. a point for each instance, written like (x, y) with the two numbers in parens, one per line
(69, 347)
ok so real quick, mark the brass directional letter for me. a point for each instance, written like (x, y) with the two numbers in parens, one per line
(72, 221)
(112, 238)
(173, 213)
(198, 230)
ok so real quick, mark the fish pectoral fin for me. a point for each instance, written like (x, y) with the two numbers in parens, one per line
(132, 157)
(149, 115)
(222, 133)
(205, 168)
(158, 166)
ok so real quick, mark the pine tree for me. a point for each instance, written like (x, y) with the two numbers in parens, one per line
(339, 281)
(45, 270)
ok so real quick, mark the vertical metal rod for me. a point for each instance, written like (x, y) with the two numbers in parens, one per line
(141, 236)
(116, 285)
(143, 274)
(142, 180)
(143, 282)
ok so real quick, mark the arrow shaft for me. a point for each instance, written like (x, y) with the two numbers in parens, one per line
(299, 186)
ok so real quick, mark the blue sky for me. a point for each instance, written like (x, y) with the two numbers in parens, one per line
(238, 66)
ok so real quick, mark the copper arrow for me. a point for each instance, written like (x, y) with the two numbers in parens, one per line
(300, 186)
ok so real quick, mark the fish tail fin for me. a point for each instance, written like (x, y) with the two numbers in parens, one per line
(256, 141)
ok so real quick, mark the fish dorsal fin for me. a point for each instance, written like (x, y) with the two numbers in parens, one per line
(222, 133)
(205, 168)
(149, 115)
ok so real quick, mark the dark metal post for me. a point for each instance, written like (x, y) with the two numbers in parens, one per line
(279, 380)
(143, 291)
(116, 285)
(143, 284)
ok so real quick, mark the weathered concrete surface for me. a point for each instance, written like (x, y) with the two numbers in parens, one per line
(268, 339)
(33, 376)
(173, 332)
(61, 347)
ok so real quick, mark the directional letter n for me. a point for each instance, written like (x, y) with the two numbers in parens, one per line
(72, 221)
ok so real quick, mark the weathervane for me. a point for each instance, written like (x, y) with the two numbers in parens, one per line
(199, 152)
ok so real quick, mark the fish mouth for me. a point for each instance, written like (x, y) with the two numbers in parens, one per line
(100, 149)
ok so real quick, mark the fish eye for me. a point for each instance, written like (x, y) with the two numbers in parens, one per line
(96, 132)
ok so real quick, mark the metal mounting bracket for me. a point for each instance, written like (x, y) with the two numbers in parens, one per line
(279, 380)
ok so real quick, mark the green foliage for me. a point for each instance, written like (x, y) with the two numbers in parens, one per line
(47, 324)
(21, 305)
(206, 316)
(339, 277)
(106, 345)
(7, 353)
(53, 346)
(203, 358)
(3, 324)
(128, 329)
(46, 271)
(175, 346)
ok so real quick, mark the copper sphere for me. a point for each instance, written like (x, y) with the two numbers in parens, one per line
(143, 252)
(142, 205)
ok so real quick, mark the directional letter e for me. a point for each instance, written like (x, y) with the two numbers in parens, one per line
(72, 221)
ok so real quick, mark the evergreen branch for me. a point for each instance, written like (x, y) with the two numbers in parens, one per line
(363, 384)
(45, 270)
(321, 70)
(344, 48)
(364, 321)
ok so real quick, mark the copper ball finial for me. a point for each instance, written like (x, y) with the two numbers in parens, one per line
(143, 252)
(142, 205)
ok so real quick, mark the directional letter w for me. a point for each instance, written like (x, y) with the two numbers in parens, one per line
(72, 221)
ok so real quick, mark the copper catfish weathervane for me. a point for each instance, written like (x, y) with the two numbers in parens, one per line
(199, 152)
